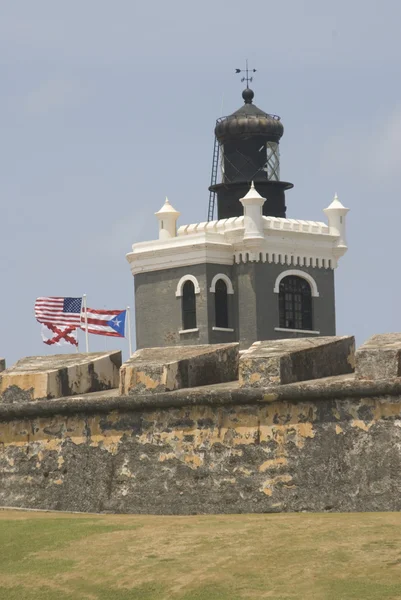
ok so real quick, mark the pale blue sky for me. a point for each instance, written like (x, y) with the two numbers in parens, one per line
(106, 107)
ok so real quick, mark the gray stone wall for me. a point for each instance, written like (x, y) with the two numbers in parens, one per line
(310, 448)
(158, 314)
(253, 309)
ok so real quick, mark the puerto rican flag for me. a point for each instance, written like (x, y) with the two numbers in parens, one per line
(104, 322)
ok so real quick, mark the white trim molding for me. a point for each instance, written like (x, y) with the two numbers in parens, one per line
(297, 273)
(183, 279)
(282, 241)
(227, 281)
(222, 329)
(311, 331)
(195, 330)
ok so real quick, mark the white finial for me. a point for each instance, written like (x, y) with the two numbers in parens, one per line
(336, 205)
(167, 208)
(253, 193)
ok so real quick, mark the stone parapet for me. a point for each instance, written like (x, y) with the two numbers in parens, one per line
(277, 362)
(2, 364)
(155, 370)
(379, 357)
(48, 377)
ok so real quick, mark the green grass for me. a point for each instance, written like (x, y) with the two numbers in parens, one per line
(46, 556)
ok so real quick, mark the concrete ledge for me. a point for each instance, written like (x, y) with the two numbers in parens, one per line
(155, 370)
(40, 377)
(275, 362)
(379, 357)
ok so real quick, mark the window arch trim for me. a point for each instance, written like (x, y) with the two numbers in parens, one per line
(180, 285)
(227, 281)
(297, 273)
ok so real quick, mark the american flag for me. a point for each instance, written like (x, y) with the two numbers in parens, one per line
(59, 311)
(105, 322)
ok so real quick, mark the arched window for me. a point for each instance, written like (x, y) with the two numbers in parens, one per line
(188, 305)
(295, 303)
(221, 304)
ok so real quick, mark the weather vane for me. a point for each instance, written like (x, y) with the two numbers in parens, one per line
(246, 71)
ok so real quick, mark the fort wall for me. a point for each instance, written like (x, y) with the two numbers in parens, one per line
(316, 446)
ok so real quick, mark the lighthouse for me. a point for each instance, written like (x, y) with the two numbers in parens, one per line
(249, 272)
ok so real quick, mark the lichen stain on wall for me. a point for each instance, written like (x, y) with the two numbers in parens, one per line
(142, 378)
(383, 410)
(269, 484)
(239, 426)
(367, 412)
(361, 424)
(44, 435)
(273, 463)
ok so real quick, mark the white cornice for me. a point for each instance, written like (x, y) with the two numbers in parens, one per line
(175, 252)
(285, 241)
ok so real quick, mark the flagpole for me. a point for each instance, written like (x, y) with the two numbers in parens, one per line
(86, 322)
(76, 337)
(104, 341)
(129, 331)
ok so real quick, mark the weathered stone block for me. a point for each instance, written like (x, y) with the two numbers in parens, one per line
(153, 370)
(2, 364)
(276, 362)
(379, 357)
(39, 377)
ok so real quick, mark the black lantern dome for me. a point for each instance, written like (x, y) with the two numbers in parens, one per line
(248, 144)
(249, 120)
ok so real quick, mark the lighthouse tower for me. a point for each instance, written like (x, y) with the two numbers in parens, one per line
(252, 273)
